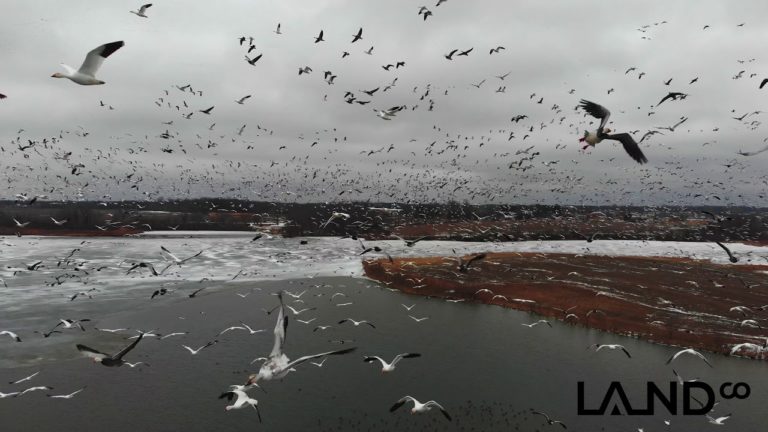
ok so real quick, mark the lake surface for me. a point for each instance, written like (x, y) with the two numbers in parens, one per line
(478, 361)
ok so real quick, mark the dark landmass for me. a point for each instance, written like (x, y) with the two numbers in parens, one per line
(671, 301)
(448, 221)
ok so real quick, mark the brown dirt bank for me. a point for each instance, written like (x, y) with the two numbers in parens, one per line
(670, 301)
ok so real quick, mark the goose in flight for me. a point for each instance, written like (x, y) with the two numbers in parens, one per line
(176, 259)
(598, 347)
(389, 367)
(278, 365)
(334, 216)
(549, 420)
(242, 401)
(603, 133)
(20, 224)
(688, 351)
(356, 323)
(196, 351)
(115, 360)
(718, 421)
(67, 396)
(419, 407)
(243, 99)
(13, 335)
(86, 75)
(141, 10)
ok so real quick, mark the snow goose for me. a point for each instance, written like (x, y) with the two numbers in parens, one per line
(419, 407)
(389, 367)
(141, 10)
(602, 133)
(86, 75)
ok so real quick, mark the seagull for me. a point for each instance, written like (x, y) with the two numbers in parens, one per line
(24, 379)
(419, 407)
(67, 396)
(408, 308)
(356, 323)
(196, 351)
(718, 421)
(598, 347)
(86, 75)
(389, 367)
(176, 260)
(592, 138)
(277, 31)
(731, 257)
(531, 325)
(5, 395)
(278, 365)
(207, 111)
(242, 401)
(230, 328)
(358, 36)
(319, 37)
(13, 335)
(673, 96)
(688, 351)
(295, 312)
(242, 99)
(549, 420)
(106, 359)
(141, 10)
(59, 222)
(418, 319)
(334, 216)
(20, 224)
(31, 389)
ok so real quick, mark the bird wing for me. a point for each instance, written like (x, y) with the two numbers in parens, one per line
(630, 146)
(374, 358)
(596, 111)
(145, 7)
(668, 96)
(127, 349)
(92, 353)
(762, 83)
(313, 356)
(440, 407)
(96, 57)
(280, 329)
(193, 256)
(724, 247)
(401, 402)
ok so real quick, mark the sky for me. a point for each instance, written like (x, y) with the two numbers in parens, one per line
(303, 142)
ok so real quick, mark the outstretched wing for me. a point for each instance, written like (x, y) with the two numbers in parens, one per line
(440, 407)
(596, 111)
(145, 7)
(630, 146)
(281, 327)
(92, 353)
(127, 349)
(96, 57)
(313, 356)
(401, 402)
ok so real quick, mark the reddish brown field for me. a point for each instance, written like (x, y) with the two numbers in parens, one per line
(670, 301)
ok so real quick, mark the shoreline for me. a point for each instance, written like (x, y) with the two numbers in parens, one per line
(668, 301)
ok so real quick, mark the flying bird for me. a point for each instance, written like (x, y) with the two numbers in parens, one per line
(86, 75)
(419, 407)
(690, 351)
(593, 138)
(141, 10)
(389, 367)
(115, 360)
(319, 37)
(358, 36)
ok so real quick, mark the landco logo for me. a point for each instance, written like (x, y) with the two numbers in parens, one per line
(616, 402)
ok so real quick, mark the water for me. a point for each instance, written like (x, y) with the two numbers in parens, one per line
(478, 361)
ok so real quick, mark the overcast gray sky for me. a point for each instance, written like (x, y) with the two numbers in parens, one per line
(552, 47)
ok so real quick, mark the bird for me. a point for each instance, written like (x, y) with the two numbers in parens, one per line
(243, 99)
(32, 389)
(673, 96)
(358, 36)
(598, 347)
(496, 50)
(411, 243)
(449, 56)
(277, 30)
(334, 216)
(731, 257)
(27, 378)
(66, 396)
(319, 37)
(537, 323)
(549, 420)
(690, 351)
(278, 365)
(754, 153)
(297, 312)
(86, 75)
(418, 319)
(762, 83)
(305, 70)
(115, 360)
(242, 401)
(592, 138)
(196, 351)
(389, 367)
(207, 110)
(11, 334)
(252, 61)
(589, 238)
(176, 259)
(59, 222)
(141, 10)
(356, 323)
(719, 420)
(464, 265)
(419, 407)
(20, 224)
